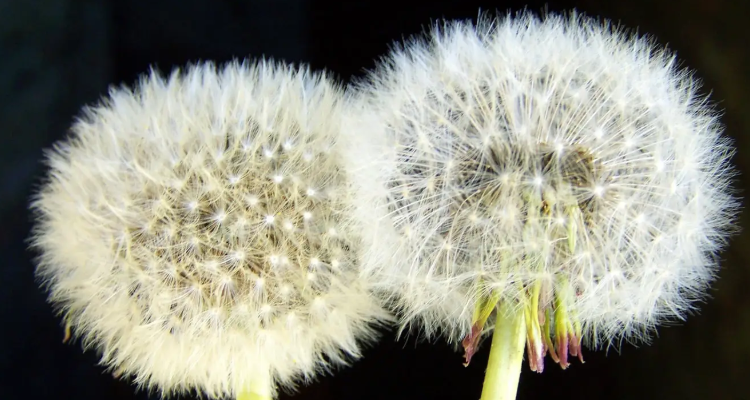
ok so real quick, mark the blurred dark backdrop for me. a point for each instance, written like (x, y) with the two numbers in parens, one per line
(57, 55)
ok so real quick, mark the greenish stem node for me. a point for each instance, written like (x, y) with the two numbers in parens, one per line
(506, 355)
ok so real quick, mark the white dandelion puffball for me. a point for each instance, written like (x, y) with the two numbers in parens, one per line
(194, 231)
(556, 164)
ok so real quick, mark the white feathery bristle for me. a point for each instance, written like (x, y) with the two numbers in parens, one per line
(556, 154)
(177, 226)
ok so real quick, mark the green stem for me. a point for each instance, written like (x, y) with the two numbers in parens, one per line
(506, 356)
(259, 388)
(248, 395)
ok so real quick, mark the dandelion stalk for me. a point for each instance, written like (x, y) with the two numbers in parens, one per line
(253, 395)
(248, 395)
(260, 388)
(506, 355)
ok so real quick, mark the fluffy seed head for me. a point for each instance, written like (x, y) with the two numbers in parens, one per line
(185, 230)
(558, 164)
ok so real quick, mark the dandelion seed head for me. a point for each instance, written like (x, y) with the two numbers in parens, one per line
(190, 287)
(556, 156)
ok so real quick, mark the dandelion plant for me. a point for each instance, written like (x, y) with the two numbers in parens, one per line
(557, 180)
(194, 231)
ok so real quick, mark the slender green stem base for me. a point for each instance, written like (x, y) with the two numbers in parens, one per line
(252, 396)
(506, 356)
(248, 395)
(259, 388)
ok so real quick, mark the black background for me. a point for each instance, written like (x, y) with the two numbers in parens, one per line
(57, 55)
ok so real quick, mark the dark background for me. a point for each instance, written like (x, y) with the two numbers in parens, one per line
(57, 55)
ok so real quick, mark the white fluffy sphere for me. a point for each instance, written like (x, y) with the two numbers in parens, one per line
(194, 230)
(558, 163)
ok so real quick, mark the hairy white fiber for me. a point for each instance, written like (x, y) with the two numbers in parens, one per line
(556, 153)
(194, 230)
